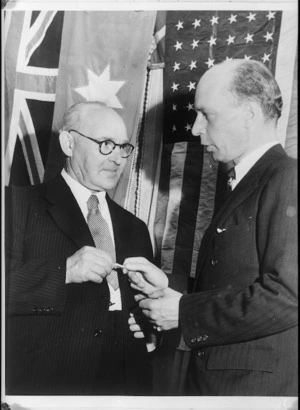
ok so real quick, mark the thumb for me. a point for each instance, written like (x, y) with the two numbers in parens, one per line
(157, 294)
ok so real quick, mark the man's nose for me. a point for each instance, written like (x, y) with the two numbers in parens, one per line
(116, 155)
(199, 127)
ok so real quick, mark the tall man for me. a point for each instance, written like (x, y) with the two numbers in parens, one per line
(67, 303)
(240, 321)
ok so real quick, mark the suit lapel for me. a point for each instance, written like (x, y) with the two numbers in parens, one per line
(245, 188)
(63, 208)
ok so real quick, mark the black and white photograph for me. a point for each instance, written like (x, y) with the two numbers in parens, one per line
(149, 205)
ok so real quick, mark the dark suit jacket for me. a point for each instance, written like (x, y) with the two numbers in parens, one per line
(241, 319)
(59, 336)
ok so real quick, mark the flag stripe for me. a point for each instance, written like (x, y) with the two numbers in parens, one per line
(284, 73)
(185, 232)
(37, 162)
(175, 196)
(37, 31)
(20, 135)
(162, 200)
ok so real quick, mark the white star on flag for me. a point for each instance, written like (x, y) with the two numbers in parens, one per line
(176, 66)
(178, 45)
(195, 43)
(191, 86)
(193, 65)
(196, 23)
(100, 88)
(210, 63)
(251, 16)
(174, 107)
(190, 106)
(179, 25)
(230, 39)
(212, 41)
(174, 128)
(214, 20)
(247, 57)
(188, 127)
(268, 36)
(249, 38)
(271, 15)
(232, 18)
(266, 57)
(175, 87)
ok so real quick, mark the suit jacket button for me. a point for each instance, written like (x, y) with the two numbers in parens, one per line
(200, 354)
(214, 262)
(97, 332)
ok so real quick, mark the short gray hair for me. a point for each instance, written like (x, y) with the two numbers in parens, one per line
(72, 118)
(253, 81)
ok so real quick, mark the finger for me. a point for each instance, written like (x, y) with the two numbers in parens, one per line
(139, 335)
(157, 294)
(135, 259)
(146, 303)
(132, 320)
(136, 278)
(135, 328)
(137, 264)
(100, 270)
(136, 287)
(93, 277)
(139, 297)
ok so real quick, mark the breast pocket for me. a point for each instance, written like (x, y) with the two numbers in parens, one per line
(235, 247)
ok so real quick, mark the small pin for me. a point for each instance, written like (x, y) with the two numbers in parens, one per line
(219, 230)
(118, 265)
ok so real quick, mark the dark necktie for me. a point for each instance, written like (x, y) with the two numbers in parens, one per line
(101, 235)
(230, 178)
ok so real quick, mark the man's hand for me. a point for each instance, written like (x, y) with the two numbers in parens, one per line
(88, 263)
(144, 276)
(161, 308)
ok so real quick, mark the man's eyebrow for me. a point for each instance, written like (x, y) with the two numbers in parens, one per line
(112, 139)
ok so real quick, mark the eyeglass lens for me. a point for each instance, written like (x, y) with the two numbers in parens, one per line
(107, 147)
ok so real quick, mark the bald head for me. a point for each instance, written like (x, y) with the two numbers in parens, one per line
(86, 115)
(247, 81)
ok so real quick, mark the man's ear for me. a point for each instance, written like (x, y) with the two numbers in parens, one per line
(67, 143)
(252, 113)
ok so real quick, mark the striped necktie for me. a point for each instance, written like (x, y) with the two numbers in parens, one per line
(101, 235)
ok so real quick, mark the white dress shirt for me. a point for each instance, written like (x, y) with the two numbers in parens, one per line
(248, 161)
(82, 194)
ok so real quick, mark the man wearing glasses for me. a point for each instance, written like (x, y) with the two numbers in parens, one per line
(68, 303)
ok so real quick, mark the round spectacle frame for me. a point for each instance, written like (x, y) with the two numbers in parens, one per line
(106, 147)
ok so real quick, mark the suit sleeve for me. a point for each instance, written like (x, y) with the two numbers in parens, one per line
(34, 286)
(269, 304)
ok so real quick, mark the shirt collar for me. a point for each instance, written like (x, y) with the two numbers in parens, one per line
(81, 193)
(249, 160)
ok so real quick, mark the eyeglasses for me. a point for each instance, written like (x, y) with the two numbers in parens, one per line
(106, 147)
